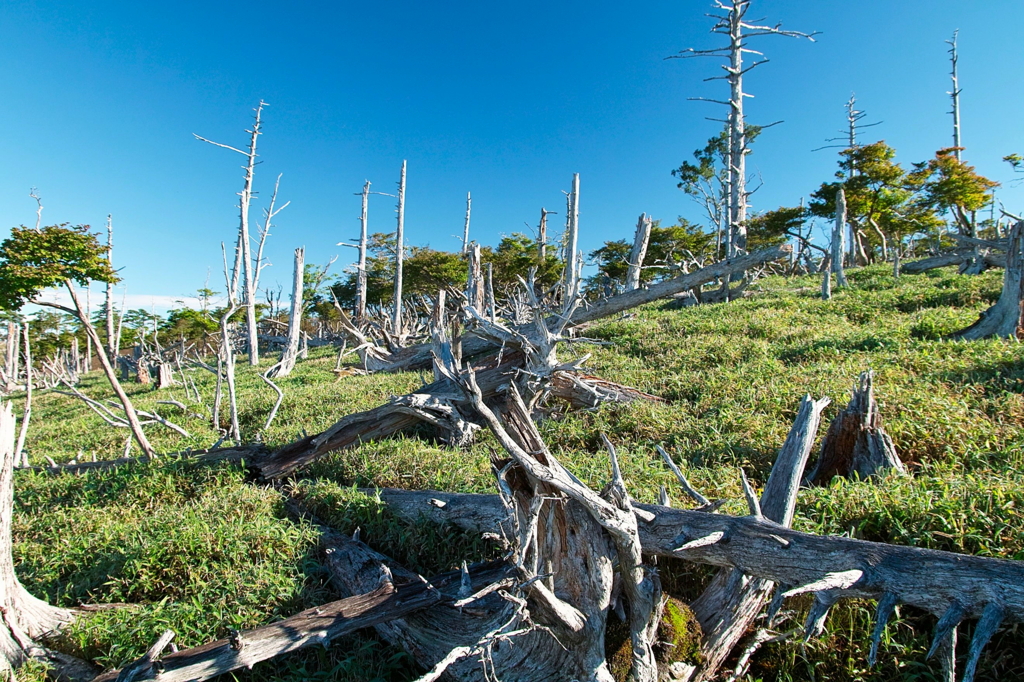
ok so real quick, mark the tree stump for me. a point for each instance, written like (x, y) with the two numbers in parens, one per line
(1003, 319)
(856, 443)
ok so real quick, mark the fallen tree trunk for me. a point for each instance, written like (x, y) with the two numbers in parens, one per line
(928, 579)
(419, 356)
(387, 600)
(990, 260)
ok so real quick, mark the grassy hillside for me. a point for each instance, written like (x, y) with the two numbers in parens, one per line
(200, 550)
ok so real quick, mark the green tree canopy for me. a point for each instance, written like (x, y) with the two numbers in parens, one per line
(947, 184)
(33, 260)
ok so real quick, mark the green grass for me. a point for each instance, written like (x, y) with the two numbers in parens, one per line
(201, 550)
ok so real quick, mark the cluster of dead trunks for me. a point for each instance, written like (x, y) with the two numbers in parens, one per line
(576, 560)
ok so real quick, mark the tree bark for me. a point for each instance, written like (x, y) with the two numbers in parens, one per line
(838, 234)
(1003, 319)
(638, 252)
(572, 285)
(291, 350)
(112, 337)
(25, 618)
(856, 442)
(20, 457)
(399, 257)
(386, 600)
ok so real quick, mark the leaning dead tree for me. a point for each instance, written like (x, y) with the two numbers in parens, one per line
(248, 274)
(1003, 319)
(732, 23)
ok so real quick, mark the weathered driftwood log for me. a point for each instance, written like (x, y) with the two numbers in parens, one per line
(387, 599)
(955, 586)
(1003, 319)
(856, 442)
(419, 356)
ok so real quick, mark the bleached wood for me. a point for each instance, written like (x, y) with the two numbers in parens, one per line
(838, 237)
(112, 337)
(572, 228)
(638, 252)
(20, 456)
(399, 254)
(1003, 318)
(465, 228)
(291, 350)
(361, 279)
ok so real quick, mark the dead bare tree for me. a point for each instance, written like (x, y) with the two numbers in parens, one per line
(248, 267)
(572, 233)
(269, 214)
(465, 228)
(838, 239)
(542, 236)
(638, 252)
(731, 22)
(399, 254)
(856, 443)
(112, 349)
(475, 278)
(954, 95)
(20, 456)
(12, 350)
(291, 350)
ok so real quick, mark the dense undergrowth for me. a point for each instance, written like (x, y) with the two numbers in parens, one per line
(200, 550)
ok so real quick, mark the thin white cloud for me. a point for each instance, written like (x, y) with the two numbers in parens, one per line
(156, 303)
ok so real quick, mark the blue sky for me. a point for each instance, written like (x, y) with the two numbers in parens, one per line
(99, 100)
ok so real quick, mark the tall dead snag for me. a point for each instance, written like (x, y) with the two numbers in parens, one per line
(542, 236)
(475, 279)
(26, 619)
(732, 23)
(728, 607)
(20, 456)
(13, 353)
(112, 340)
(465, 227)
(399, 257)
(572, 235)
(361, 279)
(291, 349)
(838, 238)
(248, 276)
(1003, 319)
(638, 252)
(954, 94)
